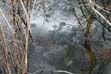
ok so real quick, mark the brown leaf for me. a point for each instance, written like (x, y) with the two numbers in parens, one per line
(107, 7)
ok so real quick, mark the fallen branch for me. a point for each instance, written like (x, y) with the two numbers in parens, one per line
(63, 71)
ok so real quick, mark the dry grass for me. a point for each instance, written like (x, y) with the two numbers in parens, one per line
(14, 38)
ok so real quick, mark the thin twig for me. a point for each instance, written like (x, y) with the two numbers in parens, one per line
(63, 71)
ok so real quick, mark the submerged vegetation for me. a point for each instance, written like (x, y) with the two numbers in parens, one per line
(84, 44)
